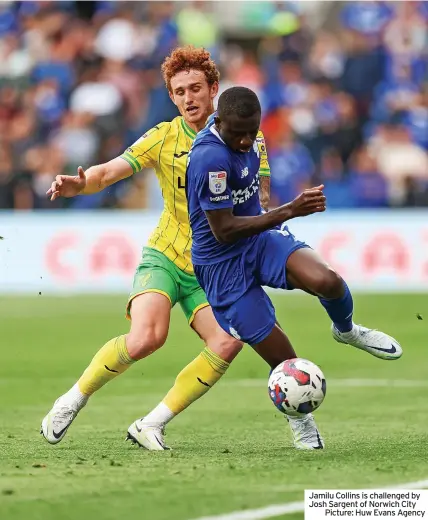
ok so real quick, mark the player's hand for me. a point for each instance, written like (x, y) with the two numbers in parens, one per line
(67, 185)
(310, 201)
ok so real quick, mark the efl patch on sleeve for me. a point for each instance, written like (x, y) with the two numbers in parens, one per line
(217, 182)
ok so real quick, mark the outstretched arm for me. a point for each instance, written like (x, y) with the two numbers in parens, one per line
(228, 228)
(95, 179)
(142, 154)
(103, 175)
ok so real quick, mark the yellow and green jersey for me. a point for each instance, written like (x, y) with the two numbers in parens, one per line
(165, 148)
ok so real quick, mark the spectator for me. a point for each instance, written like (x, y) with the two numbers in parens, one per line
(291, 89)
(117, 40)
(348, 135)
(77, 139)
(48, 102)
(292, 169)
(368, 18)
(22, 134)
(396, 94)
(398, 158)
(415, 193)
(337, 187)
(99, 98)
(326, 58)
(368, 186)
(15, 61)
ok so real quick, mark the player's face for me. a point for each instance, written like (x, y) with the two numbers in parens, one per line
(193, 96)
(239, 132)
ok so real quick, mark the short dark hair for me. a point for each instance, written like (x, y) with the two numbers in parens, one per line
(240, 101)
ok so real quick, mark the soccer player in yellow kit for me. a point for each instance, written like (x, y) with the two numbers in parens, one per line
(165, 275)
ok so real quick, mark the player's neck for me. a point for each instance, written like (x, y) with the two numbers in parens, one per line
(199, 125)
(196, 127)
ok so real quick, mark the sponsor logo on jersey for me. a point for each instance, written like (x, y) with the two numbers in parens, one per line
(244, 172)
(242, 195)
(219, 198)
(217, 182)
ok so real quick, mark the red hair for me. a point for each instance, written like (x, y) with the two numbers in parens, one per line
(186, 58)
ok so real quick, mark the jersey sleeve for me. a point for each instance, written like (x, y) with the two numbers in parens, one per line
(144, 152)
(208, 171)
(264, 169)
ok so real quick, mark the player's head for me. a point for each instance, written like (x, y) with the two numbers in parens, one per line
(191, 77)
(238, 118)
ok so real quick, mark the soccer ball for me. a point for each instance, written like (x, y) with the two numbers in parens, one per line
(297, 387)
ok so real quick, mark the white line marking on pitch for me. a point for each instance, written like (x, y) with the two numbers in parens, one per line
(341, 383)
(293, 507)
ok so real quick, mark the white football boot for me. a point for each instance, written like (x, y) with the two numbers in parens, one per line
(149, 436)
(373, 341)
(305, 433)
(58, 420)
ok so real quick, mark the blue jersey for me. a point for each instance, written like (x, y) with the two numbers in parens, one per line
(217, 178)
(232, 275)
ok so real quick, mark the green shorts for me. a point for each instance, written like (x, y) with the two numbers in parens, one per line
(156, 273)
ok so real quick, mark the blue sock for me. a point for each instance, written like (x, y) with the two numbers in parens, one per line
(340, 310)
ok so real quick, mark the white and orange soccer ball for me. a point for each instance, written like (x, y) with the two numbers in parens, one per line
(297, 387)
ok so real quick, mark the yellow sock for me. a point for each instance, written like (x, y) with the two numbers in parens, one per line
(110, 361)
(195, 380)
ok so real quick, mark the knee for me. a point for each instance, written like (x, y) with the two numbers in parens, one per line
(142, 345)
(328, 284)
(224, 346)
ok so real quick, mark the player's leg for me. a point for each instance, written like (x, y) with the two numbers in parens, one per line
(149, 329)
(274, 247)
(205, 370)
(149, 305)
(199, 376)
(306, 435)
(306, 270)
(252, 317)
(277, 349)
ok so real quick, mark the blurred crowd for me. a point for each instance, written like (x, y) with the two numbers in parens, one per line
(345, 102)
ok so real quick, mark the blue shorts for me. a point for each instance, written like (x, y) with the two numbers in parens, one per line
(234, 286)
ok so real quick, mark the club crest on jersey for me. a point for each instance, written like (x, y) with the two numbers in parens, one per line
(261, 145)
(217, 182)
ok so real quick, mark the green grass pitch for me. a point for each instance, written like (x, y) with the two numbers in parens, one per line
(232, 450)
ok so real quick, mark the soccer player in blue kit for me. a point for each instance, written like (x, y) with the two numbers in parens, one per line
(237, 249)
